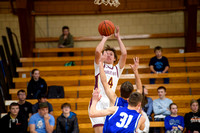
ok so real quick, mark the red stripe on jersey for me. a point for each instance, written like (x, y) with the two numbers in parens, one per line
(117, 71)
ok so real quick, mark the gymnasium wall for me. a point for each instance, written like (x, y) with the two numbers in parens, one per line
(86, 25)
(132, 23)
(9, 20)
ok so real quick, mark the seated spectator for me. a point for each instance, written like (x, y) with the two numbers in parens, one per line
(42, 122)
(13, 122)
(66, 39)
(42, 99)
(36, 85)
(67, 122)
(174, 122)
(25, 108)
(147, 103)
(192, 119)
(159, 64)
(161, 106)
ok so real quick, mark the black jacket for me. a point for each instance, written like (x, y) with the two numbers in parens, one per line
(192, 121)
(35, 88)
(69, 125)
(18, 125)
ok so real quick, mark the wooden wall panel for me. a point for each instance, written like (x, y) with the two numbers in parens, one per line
(62, 7)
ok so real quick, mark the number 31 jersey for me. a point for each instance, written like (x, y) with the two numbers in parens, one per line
(112, 74)
(123, 120)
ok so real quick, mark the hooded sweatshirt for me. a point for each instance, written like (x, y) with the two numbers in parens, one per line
(36, 87)
(67, 125)
(192, 121)
(17, 125)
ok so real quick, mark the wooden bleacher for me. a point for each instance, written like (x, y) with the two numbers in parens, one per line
(89, 69)
(46, 52)
(86, 60)
(79, 106)
(86, 91)
(78, 80)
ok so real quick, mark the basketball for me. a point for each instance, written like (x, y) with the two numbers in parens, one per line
(106, 28)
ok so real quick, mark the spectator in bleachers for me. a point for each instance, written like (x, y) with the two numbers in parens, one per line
(192, 119)
(36, 85)
(25, 107)
(13, 122)
(159, 64)
(42, 122)
(147, 103)
(174, 122)
(66, 40)
(42, 99)
(67, 122)
(161, 106)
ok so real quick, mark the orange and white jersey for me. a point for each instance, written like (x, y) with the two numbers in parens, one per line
(113, 74)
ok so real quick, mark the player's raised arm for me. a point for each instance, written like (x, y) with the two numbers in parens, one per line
(99, 49)
(109, 92)
(122, 60)
(134, 67)
(99, 113)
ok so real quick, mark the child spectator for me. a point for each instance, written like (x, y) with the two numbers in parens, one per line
(67, 122)
(161, 106)
(192, 119)
(174, 122)
(42, 122)
(36, 85)
(42, 99)
(159, 64)
(13, 122)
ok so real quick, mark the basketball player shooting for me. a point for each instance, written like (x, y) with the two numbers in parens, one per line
(112, 73)
(125, 89)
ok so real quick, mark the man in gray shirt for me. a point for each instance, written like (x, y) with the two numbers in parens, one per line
(161, 106)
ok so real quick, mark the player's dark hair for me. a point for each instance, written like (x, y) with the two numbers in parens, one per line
(13, 104)
(65, 105)
(144, 100)
(23, 91)
(108, 48)
(162, 87)
(157, 48)
(126, 89)
(34, 71)
(170, 106)
(65, 27)
(135, 98)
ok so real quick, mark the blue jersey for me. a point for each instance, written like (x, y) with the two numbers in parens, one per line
(121, 102)
(123, 120)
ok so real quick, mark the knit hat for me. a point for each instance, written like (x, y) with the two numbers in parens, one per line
(43, 105)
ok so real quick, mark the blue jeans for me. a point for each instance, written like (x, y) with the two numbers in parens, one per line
(152, 81)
